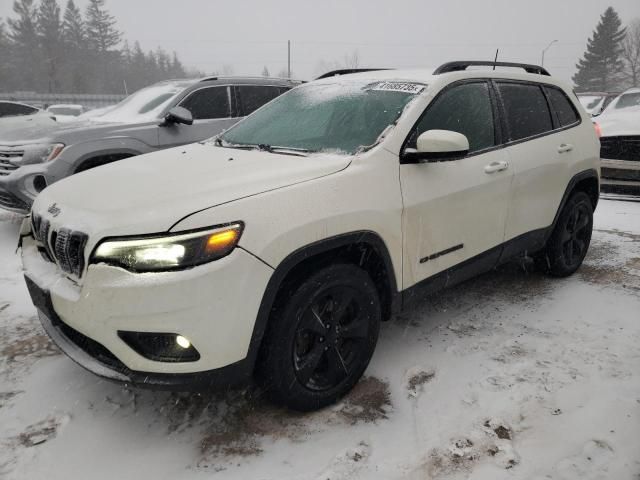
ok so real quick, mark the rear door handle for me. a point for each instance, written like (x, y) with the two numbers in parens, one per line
(565, 147)
(496, 167)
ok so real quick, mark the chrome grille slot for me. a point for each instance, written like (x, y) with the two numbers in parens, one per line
(8, 160)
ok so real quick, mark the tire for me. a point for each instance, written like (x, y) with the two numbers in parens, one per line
(319, 341)
(568, 245)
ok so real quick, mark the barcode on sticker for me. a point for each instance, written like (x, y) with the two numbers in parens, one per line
(404, 87)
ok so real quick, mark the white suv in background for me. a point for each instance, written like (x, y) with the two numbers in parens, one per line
(275, 250)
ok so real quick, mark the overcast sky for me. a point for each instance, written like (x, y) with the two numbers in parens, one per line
(398, 33)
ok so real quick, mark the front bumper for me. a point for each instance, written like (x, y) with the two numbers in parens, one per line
(214, 305)
(620, 175)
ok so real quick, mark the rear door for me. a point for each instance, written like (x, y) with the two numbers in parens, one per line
(455, 210)
(252, 97)
(212, 112)
(540, 150)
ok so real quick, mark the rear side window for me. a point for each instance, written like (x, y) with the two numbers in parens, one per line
(10, 109)
(464, 109)
(208, 103)
(560, 104)
(252, 97)
(526, 110)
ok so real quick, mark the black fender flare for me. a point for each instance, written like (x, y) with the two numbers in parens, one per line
(577, 178)
(368, 238)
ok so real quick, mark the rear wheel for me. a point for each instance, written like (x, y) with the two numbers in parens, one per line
(321, 339)
(569, 242)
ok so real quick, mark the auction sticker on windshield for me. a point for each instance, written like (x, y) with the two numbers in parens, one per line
(403, 87)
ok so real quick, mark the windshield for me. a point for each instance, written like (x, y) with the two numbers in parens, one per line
(339, 117)
(627, 100)
(589, 102)
(144, 105)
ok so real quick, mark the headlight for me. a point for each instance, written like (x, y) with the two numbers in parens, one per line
(170, 252)
(40, 153)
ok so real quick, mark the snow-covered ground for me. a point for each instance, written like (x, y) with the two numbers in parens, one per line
(511, 375)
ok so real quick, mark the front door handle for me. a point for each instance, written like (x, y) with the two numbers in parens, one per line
(565, 147)
(496, 167)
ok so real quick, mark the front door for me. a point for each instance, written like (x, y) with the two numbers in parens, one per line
(211, 110)
(455, 210)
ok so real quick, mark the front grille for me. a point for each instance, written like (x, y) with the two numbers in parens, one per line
(9, 200)
(620, 148)
(64, 246)
(89, 346)
(9, 157)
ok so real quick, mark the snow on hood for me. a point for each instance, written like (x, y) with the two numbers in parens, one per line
(150, 193)
(23, 133)
(625, 121)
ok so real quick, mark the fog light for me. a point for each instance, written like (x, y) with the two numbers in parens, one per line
(161, 347)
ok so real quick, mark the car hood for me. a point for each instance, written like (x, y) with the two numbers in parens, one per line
(64, 132)
(623, 122)
(150, 193)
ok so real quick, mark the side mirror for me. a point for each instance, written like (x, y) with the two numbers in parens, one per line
(178, 115)
(437, 146)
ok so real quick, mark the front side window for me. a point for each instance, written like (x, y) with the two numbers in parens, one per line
(252, 97)
(465, 109)
(526, 110)
(208, 103)
(567, 115)
(344, 117)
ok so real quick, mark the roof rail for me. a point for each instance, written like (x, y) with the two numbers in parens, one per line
(247, 77)
(347, 71)
(462, 65)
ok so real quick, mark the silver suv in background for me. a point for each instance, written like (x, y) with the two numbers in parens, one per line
(163, 115)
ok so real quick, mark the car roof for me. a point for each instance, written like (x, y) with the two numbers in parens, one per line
(66, 105)
(425, 75)
(248, 80)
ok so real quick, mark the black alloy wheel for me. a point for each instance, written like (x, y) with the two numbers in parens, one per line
(570, 240)
(320, 341)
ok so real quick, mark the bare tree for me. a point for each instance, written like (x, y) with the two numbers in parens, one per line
(352, 60)
(631, 53)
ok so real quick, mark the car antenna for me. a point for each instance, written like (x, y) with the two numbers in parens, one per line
(496, 59)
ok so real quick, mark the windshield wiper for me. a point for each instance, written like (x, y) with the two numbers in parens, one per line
(284, 150)
(263, 147)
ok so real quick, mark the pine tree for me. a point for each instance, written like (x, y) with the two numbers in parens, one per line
(602, 65)
(177, 69)
(75, 40)
(73, 28)
(101, 31)
(49, 31)
(265, 71)
(26, 51)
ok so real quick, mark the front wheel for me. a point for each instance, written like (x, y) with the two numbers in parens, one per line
(568, 245)
(320, 341)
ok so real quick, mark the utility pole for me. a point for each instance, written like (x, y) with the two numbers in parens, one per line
(545, 50)
(288, 58)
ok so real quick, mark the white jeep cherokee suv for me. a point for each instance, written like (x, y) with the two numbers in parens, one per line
(275, 250)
